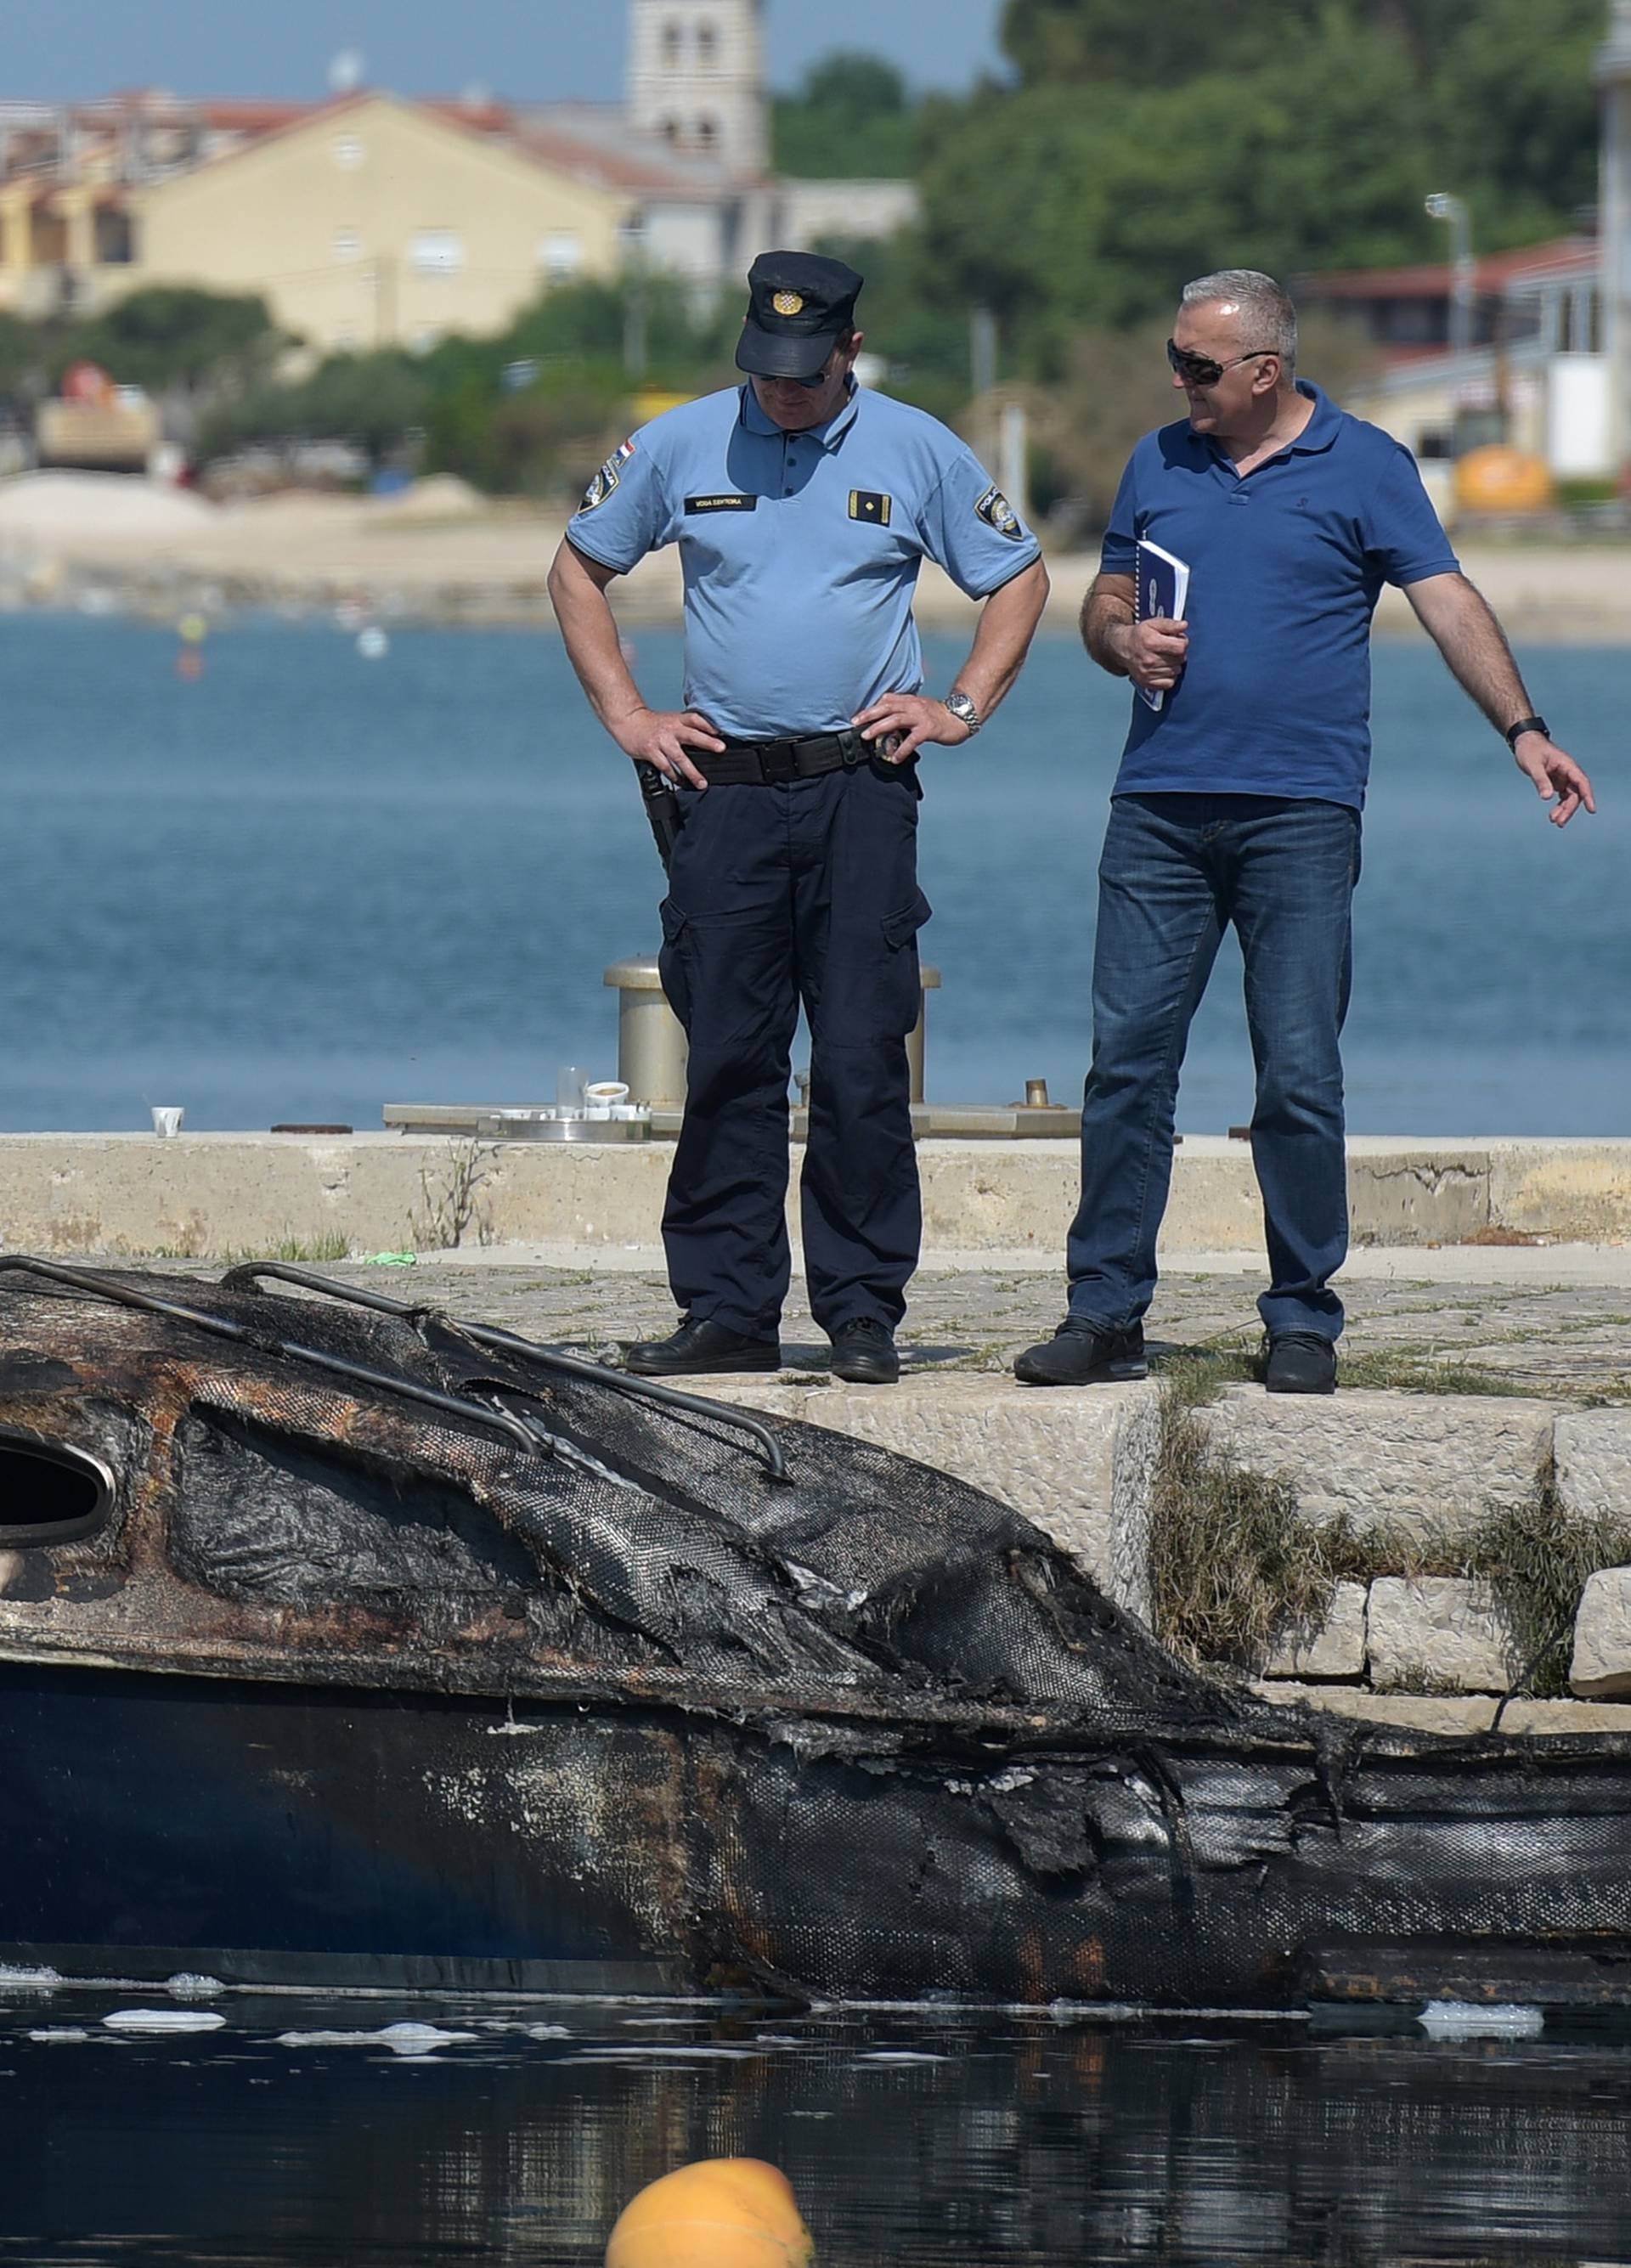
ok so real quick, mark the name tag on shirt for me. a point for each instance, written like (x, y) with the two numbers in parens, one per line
(721, 503)
(868, 504)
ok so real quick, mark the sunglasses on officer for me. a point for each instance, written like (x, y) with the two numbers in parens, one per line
(1201, 370)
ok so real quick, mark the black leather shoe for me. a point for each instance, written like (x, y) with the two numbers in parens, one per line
(698, 1348)
(1081, 1353)
(1301, 1362)
(863, 1353)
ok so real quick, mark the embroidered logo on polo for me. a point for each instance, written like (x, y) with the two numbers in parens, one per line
(724, 501)
(871, 505)
(995, 510)
(608, 478)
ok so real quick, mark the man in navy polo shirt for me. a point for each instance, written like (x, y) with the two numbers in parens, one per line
(803, 508)
(1238, 800)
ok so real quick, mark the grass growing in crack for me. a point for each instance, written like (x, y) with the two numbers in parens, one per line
(1230, 1558)
(1232, 1561)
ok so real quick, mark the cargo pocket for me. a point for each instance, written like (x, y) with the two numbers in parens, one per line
(903, 992)
(672, 960)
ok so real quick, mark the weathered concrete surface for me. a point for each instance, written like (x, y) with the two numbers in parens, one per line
(1378, 1457)
(1335, 1649)
(1053, 1457)
(213, 1193)
(1593, 1453)
(1455, 1629)
(1601, 1663)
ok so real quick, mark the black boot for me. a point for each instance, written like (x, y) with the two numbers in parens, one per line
(1081, 1353)
(863, 1353)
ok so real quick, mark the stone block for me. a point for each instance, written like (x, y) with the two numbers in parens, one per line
(1592, 1449)
(1335, 1648)
(1378, 1457)
(1453, 1630)
(1577, 1192)
(1602, 1656)
(1433, 1713)
(1052, 1456)
(1432, 1196)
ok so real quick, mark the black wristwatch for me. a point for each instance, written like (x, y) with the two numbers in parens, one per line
(1515, 732)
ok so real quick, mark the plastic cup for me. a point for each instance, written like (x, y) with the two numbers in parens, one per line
(601, 1097)
(168, 1119)
(570, 1082)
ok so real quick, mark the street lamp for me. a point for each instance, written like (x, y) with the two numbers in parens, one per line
(1464, 274)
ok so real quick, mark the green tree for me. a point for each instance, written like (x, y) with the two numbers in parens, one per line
(171, 335)
(851, 116)
(23, 356)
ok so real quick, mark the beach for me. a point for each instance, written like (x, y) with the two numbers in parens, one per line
(440, 552)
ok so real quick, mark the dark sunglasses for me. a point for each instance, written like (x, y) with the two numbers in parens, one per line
(1201, 370)
(810, 384)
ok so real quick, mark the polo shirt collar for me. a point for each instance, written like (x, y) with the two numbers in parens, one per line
(1318, 434)
(829, 435)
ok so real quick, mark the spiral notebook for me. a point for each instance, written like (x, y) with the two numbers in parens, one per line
(1162, 588)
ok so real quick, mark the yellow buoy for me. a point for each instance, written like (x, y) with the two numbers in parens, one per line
(721, 2212)
(1495, 478)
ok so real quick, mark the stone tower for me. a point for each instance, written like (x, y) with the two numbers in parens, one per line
(696, 80)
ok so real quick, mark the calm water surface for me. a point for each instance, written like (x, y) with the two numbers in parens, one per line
(966, 2143)
(310, 884)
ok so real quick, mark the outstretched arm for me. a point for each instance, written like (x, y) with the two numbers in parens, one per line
(651, 736)
(1459, 620)
(1008, 624)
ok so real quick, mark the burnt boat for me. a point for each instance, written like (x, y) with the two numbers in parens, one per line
(343, 1644)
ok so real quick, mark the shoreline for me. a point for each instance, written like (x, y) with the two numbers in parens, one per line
(308, 556)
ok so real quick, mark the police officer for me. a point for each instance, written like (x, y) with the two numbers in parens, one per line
(802, 506)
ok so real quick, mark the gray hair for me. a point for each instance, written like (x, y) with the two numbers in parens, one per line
(1266, 307)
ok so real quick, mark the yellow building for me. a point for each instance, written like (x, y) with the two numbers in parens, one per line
(378, 222)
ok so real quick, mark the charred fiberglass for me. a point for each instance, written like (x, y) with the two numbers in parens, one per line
(345, 1645)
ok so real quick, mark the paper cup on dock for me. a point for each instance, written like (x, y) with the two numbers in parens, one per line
(602, 1096)
(167, 1118)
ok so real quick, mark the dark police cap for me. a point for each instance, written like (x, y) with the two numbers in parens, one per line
(800, 305)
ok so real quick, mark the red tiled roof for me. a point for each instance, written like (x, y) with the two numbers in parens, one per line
(1432, 279)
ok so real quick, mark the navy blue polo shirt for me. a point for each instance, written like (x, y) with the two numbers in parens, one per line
(1285, 567)
(801, 551)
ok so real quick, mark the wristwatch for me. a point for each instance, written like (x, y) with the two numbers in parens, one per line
(1515, 732)
(963, 708)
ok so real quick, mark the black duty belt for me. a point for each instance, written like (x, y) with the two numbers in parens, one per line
(774, 763)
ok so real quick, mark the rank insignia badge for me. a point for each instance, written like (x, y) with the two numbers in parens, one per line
(869, 503)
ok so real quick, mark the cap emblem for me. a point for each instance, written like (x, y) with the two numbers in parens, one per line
(788, 303)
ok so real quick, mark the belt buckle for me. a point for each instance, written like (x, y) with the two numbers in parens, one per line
(776, 762)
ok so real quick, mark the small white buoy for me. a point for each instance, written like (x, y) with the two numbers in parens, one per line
(373, 644)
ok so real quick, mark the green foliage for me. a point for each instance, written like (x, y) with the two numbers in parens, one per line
(171, 335)
(1142, 147)
(850, 118)
(22, 357)
(371, 401)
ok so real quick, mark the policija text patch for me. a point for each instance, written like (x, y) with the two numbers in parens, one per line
(721, 503)
(867, 503)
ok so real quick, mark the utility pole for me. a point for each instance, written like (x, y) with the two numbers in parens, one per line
(1463, 268)
(1614, 77)
(634, 300)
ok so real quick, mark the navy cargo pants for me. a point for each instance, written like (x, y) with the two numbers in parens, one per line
(777, 895)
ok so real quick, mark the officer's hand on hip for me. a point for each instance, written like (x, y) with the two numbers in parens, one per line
(914, 721)
(661, 737)
(1154, 652)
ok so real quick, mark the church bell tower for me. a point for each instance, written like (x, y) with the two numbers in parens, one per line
(696, 80)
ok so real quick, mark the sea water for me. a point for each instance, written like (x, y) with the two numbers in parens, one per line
(309, 883)
(307, 2134)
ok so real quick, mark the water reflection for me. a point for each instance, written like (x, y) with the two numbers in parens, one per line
(978, 2141)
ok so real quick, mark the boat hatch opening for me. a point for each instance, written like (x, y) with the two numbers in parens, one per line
(49, 1494)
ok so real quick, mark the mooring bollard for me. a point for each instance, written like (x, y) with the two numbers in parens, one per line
(651, 1045)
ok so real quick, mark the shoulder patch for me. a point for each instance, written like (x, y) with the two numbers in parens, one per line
(995, 510)
(608, 476)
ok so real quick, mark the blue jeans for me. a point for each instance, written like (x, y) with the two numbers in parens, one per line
(1175, 870)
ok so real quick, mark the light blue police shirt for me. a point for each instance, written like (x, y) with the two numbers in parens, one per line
(801, 551)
